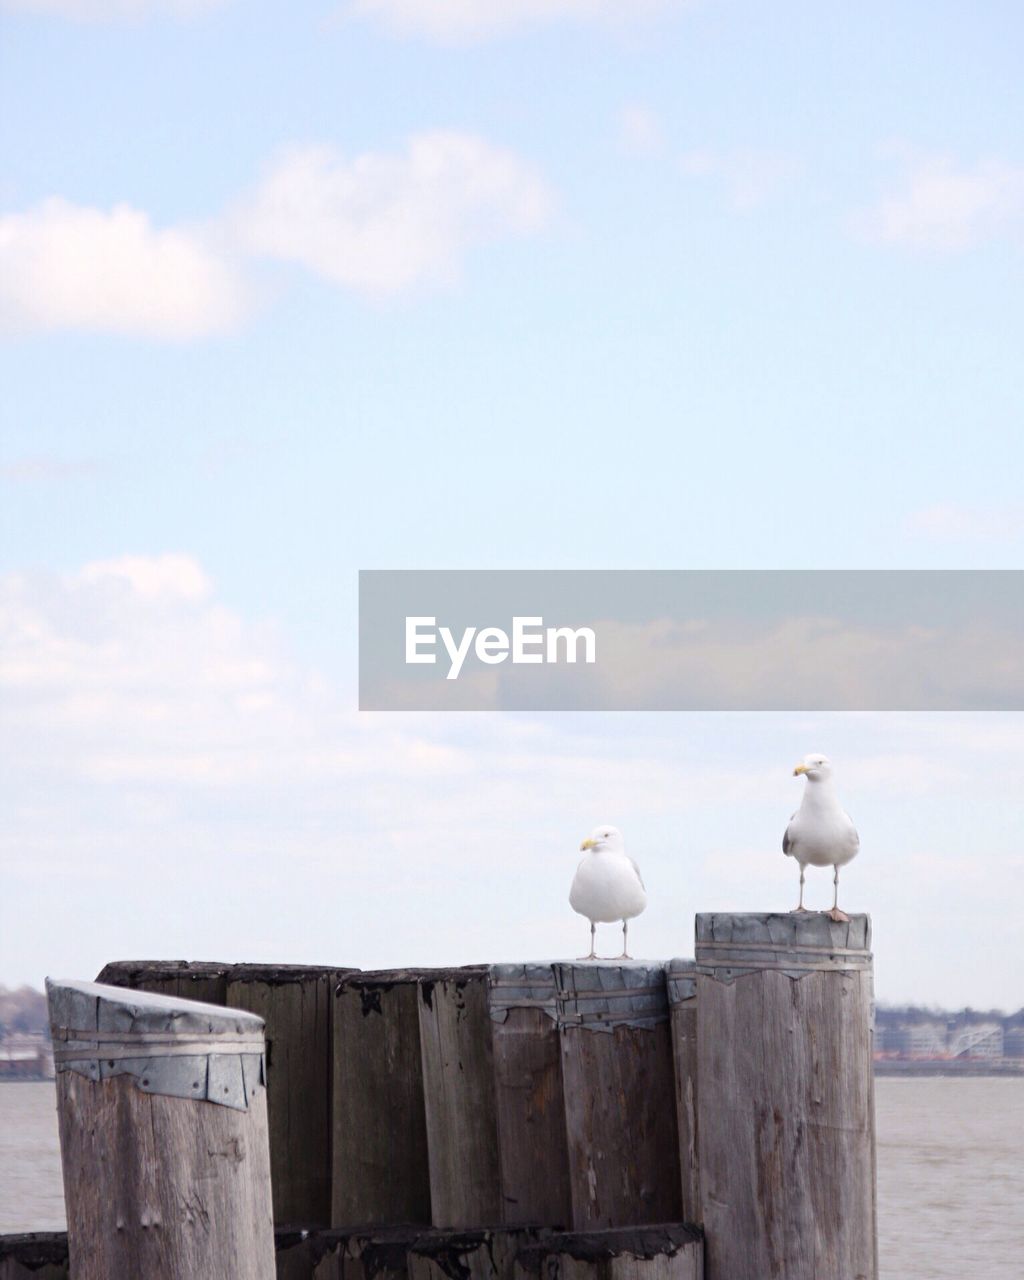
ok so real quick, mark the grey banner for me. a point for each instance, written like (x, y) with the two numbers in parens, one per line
(691, 640)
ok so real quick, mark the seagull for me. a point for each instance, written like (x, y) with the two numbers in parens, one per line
(607, 885)
(821, 832)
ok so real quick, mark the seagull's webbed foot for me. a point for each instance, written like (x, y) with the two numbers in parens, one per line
(625, 956)
(796, 909)
(839, 917)
(593, 956)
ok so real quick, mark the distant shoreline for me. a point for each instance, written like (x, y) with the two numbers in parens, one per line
(973, 1068)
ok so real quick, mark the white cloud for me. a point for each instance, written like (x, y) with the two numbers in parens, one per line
(111, 10)
(953, 522)
(378, 223)
(174, 577)
(42, 468)
(639, 129)
(459, 21)
(66, 266)
(382, 223)
(944, 207)
(750, 175)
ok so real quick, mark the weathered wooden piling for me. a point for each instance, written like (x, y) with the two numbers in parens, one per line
(381, 1169)
(296, 1004)
(459, 1097)
(163, 1127)
(786, 1099)
(532, 1151)
(673, 1252)
(203, 980)
(681, 980)
(619, 1086)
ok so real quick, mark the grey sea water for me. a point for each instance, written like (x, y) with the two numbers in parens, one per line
(950, 1174)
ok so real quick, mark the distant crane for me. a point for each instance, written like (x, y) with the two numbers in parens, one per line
(965, 1040)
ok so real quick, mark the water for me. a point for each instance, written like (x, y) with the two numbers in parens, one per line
(950, 1178)
(31, 1194)
(950, 1174)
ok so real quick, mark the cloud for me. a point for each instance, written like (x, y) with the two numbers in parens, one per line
(750, 176)
(944, 207)
(639, 129)
(43, 468)
(173, 577)
(952, 522)
(382, 223)
(66, 266)
(111, 10)
(464, 21)
(378, 223)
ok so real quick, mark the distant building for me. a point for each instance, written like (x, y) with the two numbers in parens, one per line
(25, 1057)
(1013, 1042)
(926, 1040)
(891, 1040)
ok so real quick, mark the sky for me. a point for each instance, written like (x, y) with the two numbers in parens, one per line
(291, 291)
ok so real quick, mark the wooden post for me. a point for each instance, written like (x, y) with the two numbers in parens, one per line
(34, 1256)
(461, 1110)
(681, 978)
(296, 1004)
(204, 980)
(786, 1098)
(629, 1253)
(533, 1156)
(619, 1094)
(381, 1168)
(163, 1131)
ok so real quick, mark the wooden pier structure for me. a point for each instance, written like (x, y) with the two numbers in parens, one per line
(701, 1119)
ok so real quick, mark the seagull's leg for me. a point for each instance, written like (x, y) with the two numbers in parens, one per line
(625, 949)
(593, 934)
(835, 914)
(800, 905)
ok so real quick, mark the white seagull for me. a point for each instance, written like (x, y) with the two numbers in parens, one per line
(821, 832)
(607, 886)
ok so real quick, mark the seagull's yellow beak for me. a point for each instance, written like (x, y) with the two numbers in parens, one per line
(801, 768)
(587, 844)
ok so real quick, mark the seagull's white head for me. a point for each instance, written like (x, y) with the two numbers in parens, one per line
(815, 767)
(604, 839)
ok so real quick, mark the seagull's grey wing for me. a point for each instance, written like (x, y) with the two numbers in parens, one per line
(638, 875)
(856, 833)
(788, 840)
